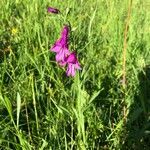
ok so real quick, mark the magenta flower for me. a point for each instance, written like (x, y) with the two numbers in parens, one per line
(73, 64)
(60, 47)
(53, 10)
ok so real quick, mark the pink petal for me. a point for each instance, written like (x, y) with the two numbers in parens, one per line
(55, 48)
(65, 32)
(58, 57)
(68, 72)
(72, 58)
(67, 52)
(77, 66)
(73, 71)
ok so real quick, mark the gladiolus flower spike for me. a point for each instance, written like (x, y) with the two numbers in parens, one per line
(60, 47)
(63, 55)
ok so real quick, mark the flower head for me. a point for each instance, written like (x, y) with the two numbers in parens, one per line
(53, 10)
(14, 31)
(73, 64)
(60, 47)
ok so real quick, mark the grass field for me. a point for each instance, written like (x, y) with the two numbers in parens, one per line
(105, 106)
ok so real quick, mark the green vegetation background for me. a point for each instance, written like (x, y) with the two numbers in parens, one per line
(41, 108)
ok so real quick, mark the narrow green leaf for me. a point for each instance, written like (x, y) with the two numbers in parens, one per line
(18, 108)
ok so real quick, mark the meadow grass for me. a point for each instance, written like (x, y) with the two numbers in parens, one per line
(41, 108)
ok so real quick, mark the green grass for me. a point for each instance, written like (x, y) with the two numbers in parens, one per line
(41, 108)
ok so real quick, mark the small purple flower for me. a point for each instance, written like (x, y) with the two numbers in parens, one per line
(60, 47)
(73, 64)
(53, 10)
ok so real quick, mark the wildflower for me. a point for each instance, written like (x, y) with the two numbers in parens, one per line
(60, 47)
(53, 10)
(14, 31)
(73, 64)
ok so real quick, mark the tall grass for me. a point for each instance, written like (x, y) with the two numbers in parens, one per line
(41, 108)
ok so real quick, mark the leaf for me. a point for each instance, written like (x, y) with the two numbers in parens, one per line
(18, 108)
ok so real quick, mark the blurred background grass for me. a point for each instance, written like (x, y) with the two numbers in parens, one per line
(41, 108)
